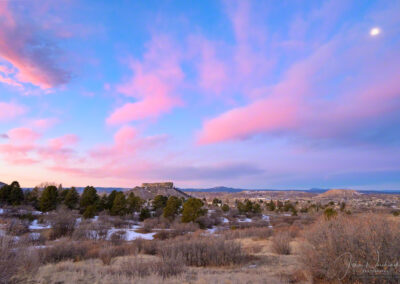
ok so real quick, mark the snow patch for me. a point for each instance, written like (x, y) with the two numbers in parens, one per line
(130, 234)
(36, 226)
(265, 217)
(247, 220)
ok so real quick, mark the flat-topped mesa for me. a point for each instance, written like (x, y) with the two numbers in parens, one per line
(150, 190)
(158, 185)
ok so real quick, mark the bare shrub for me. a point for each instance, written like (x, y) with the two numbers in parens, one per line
(183, 228)
(64, 250)
(106, 254)
(260, 233)
(8, 259)
(88, 230)
(16, 227)
(145, 246)
(335, 244)
(15, 262)
(203, 252)
(177, 229)
(113, 221)
(153, 223)
(169, 268)
(281, 242)
(32, 239)
(137, 267)
(62, 223)
(117, 237)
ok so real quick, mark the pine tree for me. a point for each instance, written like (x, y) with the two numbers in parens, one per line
(144, 214)
(119, 205)
(48, 199)
(192, 209)
(16, 194)
(89, 212)
(172, 207)
(159, 202)
(110, 199)
(135, 203)
(71, 198)
(88, 197)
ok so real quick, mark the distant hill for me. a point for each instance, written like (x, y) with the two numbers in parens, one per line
(214, 189)
(150, 190)
(339, 193)
(1, 184)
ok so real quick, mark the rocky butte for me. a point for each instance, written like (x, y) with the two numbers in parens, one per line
(150, 190)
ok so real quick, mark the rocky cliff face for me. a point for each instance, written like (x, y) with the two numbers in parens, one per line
(150, 190)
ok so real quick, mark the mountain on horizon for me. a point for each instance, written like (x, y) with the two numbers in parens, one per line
(214, 189)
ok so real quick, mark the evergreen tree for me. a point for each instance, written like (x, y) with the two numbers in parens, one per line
(271, 205)
(135, 203)
(32, 197)
(192, 209)
(119, 205)
(144, 214)
(172, 208)
(225, 208)
(5, 193)
(16, 194)
(216, 202)
(256, 208)
(110, 200)
(159, 202)
(102, 203)
(88, 197)
(330, 213)
(48, 199)
(71, 199)
(90, 212)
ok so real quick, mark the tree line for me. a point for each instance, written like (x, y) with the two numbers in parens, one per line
(90, 203)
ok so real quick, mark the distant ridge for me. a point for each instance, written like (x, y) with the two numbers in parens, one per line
(339, 193)
(214, 189)
(1, 184)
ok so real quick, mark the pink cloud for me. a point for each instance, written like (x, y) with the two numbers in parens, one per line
(23, 135)
(34, 65)
(59, 150)
(127, 142)
(67, 140)
(298, 106)
(44, 123)
(11, 110)
(21, 142)
(213, 73)
(154, 84)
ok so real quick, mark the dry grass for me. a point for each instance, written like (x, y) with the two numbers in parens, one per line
(335, 244)
(203, 252)
(253, 232)
(281, 242)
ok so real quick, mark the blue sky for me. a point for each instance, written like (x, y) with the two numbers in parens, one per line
(253, 94)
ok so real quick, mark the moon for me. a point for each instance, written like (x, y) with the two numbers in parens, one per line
(375, 31)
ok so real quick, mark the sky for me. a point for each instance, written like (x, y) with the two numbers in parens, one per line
(250, 94)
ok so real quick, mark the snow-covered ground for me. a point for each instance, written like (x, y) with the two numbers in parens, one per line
(130, 234)
(248, 220)
(1, 210)
(225, 220)
(36, 226)
(265, 217)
